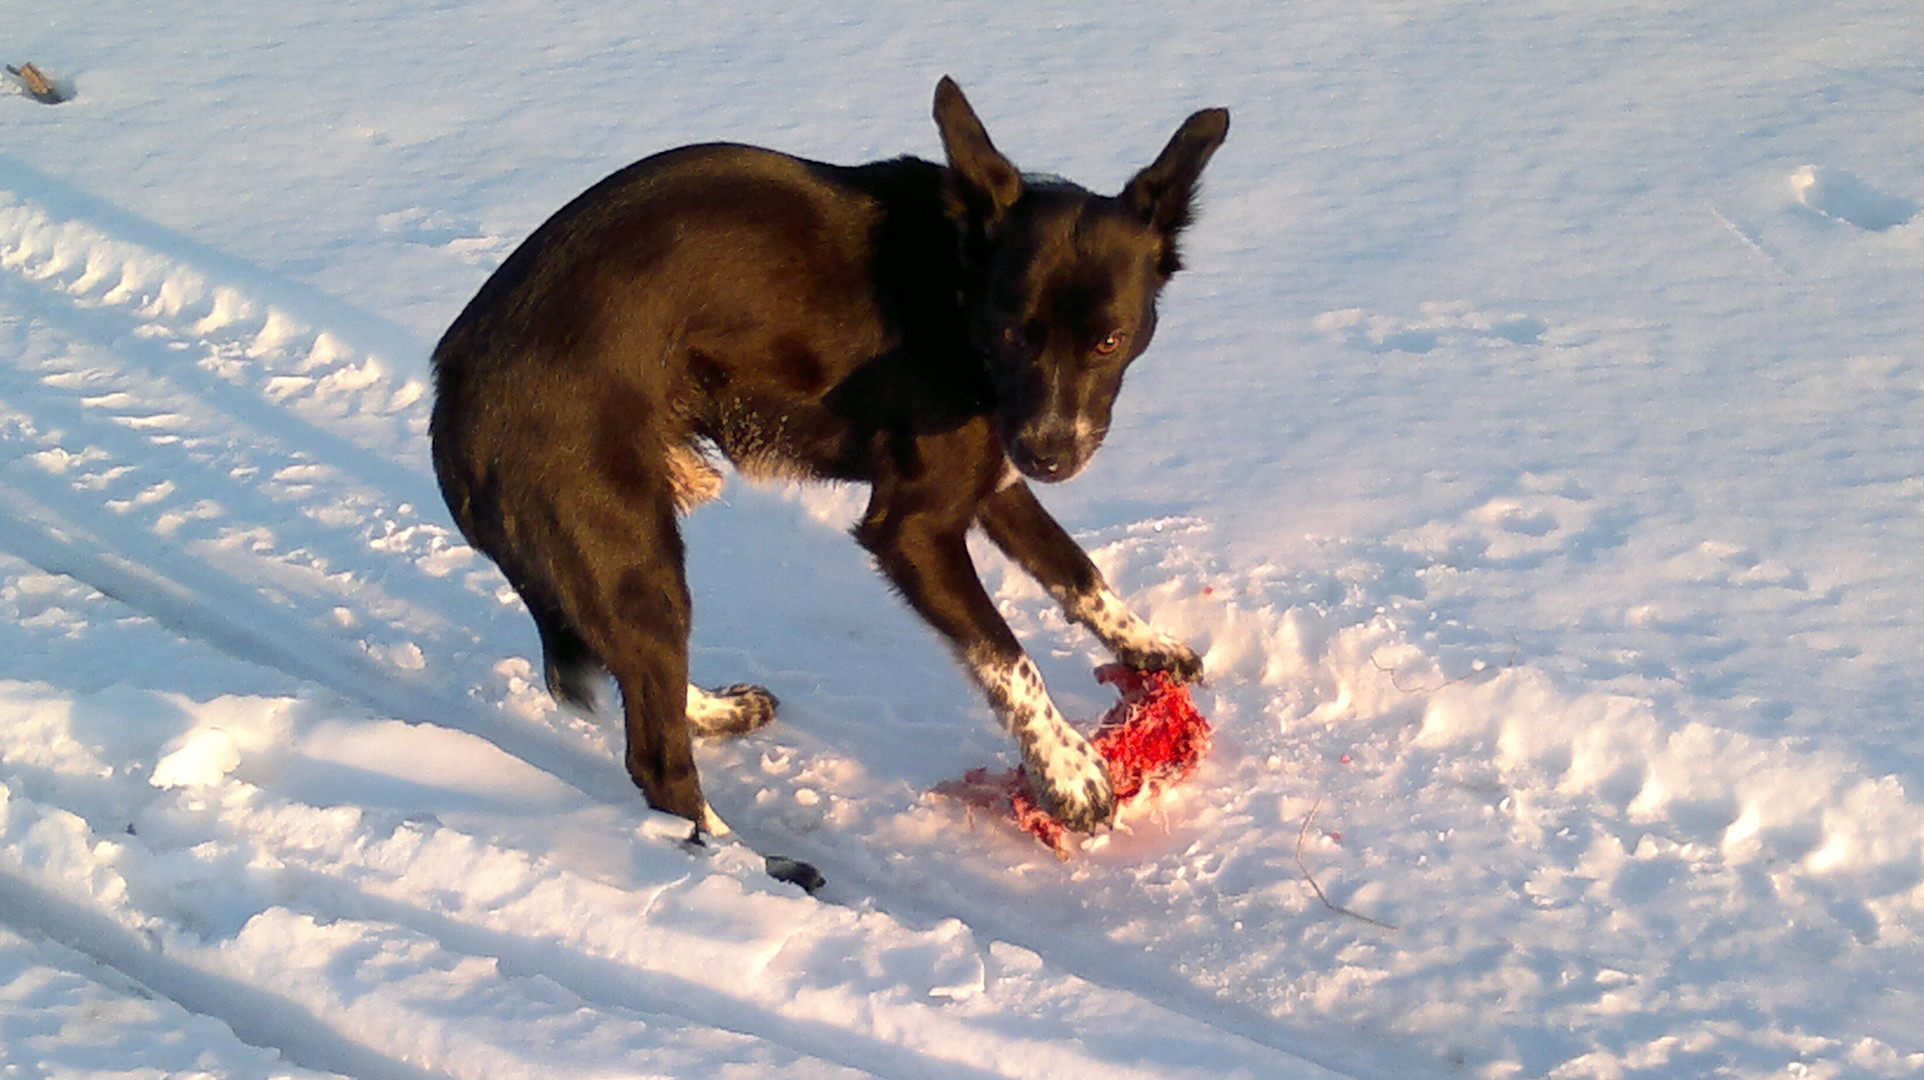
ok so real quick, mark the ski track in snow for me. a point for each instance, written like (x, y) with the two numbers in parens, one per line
(304, 809)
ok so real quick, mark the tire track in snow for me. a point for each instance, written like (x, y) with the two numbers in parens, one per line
(52, 990)
(286, 338)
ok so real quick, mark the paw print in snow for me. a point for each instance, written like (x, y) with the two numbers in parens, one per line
(1717, 563)
(1454, 323)
(1544, 516)
(1837, 194)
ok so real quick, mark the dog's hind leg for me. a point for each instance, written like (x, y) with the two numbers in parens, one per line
(731, 711)
(642, 635)
(649, 659)
(616, 563)
(572, 669)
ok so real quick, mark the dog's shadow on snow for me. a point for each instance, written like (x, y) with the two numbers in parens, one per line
(784, 597)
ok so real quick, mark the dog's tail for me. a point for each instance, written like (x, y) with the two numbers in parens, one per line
(570, 668)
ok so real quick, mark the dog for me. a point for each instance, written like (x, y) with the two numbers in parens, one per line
(945, 333)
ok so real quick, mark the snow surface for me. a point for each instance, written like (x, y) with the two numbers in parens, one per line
(1535, 446)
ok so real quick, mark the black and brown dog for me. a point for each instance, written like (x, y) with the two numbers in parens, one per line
(941, 333)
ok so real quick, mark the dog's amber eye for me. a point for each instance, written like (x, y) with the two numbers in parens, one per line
(1110, 345)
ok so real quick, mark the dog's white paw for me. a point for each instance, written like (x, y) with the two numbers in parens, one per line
(1133, 642)
(1069, 777)
(1071, 780)
(1160, 653)
(736, 710)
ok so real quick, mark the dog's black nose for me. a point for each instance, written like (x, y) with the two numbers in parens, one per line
(1048, 455)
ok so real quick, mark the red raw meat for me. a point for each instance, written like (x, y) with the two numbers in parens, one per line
(1152, 738)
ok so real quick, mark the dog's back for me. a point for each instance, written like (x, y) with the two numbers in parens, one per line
(717, 292)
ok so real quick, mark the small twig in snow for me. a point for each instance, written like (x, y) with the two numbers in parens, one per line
(1475, 670)
(1311, 878)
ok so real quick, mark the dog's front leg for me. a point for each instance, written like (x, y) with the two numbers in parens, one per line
(928, 561)
(1019, 525)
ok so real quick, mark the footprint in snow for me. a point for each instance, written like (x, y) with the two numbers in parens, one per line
(1438, 323)
(1540, 517)
(1835, 193)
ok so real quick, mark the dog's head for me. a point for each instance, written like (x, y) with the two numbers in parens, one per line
(1062, 282)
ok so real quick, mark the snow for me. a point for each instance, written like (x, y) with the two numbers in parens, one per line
(1532, 447)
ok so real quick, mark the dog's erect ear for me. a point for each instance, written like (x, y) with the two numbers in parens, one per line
(1162, 193)
(994, 184)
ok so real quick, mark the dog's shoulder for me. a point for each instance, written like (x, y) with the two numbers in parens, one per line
(900, 179)
(905, 180)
